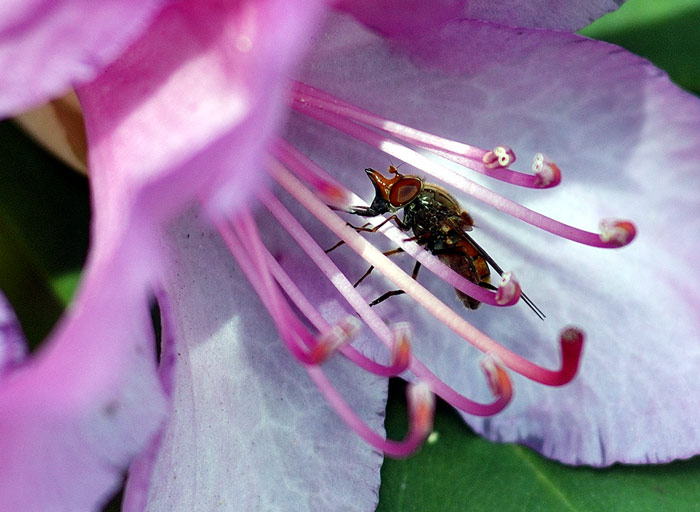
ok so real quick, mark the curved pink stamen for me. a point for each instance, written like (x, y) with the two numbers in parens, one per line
(547, 173)
(421, 404)
(301, 165)
(398, 365)
(456, 180)
(421, 410)
(497, 377)
(295, 337)
(359, 304)
(570, 351)
(309, 95)
(508, 289)
(503, 393)
(500, 156)
(331, 190)
(617, 232)
(476, 159)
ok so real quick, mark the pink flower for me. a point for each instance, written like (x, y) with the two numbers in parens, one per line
(180, 126)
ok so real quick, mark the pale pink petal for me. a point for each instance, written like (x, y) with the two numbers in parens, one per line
(626, 140)
(48, 45)
(403, 18)
(75, 414)
(186, 112)
(554, 14)
(410, 18)
(249, 431)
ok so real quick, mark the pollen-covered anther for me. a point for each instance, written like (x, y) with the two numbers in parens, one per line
(496, 375)
(421, 405)
(617, 232)
(547, 173)
(330, 191)
(350, 326)
(572, 335)
(334, 338)
(508, 291)
(401, 349)
(500, 156)
(334, 195)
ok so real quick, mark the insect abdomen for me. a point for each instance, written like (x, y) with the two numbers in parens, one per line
(467, 262)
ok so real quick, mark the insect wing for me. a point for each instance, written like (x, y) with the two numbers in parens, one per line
(459, 262)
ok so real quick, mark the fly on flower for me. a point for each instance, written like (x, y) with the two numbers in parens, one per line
(438, 223)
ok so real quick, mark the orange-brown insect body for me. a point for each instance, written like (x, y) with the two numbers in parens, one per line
(438, 223)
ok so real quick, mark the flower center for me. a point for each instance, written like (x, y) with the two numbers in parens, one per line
(319, 193)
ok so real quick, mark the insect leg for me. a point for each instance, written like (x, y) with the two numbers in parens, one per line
(392, 293)
(421, 239)
(341, 242)
(416, 268)
(381, 224)
(364, 228)
(371, 268)
(382, 298)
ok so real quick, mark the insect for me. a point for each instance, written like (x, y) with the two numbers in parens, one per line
(438, 223)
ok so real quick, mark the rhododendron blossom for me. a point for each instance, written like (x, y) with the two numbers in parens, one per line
(226, 142)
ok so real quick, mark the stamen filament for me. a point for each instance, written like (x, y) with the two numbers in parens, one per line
(420, 421)
(330, 189)
(398, 366)
(307, 94)
(570, 356)
(463, 154)
(459, 181)
(301, 165)
(289, 327)
(371, 318)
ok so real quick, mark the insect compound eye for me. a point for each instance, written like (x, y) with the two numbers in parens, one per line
(404, 191)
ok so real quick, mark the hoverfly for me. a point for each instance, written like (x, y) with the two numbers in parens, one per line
(438, 223)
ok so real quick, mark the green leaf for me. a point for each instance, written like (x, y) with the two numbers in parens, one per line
(26, 284)
(44, 227)
(667, 32)
(459, 471)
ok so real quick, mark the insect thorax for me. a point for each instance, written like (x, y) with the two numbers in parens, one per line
(426, 216)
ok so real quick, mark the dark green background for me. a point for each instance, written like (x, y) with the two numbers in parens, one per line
(44, 224)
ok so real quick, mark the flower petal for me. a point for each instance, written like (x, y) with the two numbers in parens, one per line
(13, 346)
(626, 140)
(554, 14)
(47, 45)
(186, 112)
(76, 413)
(249, 430)
(403, 18)
(411, 18)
